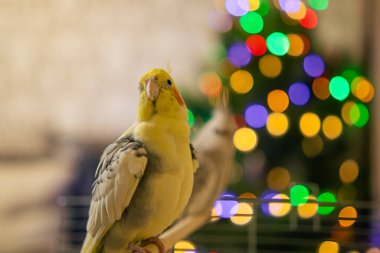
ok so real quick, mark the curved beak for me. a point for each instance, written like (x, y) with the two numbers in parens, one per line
(152, 89)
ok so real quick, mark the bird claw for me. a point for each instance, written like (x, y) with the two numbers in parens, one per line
(154, 240)
(137, 249)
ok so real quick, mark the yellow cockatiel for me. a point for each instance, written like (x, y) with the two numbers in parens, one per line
(145, 178)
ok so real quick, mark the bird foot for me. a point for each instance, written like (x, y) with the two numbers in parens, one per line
(137, 249)
(154, 240)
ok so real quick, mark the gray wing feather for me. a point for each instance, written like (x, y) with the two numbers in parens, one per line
(119, 171)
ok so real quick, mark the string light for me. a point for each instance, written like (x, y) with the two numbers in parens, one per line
(299, 195)
(326, 197)
(347, 216)
(279, 209)
(308, 210)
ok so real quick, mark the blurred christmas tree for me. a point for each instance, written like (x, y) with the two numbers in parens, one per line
(302, 119)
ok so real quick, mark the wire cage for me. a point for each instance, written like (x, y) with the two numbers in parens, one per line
(272, 226)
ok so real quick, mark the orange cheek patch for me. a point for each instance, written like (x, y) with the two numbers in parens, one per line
(178, 97)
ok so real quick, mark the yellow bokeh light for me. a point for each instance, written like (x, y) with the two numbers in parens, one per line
(245, 139)
(345, 112)
(278, 100)
(348, 171)
(215, 216)
(247, 195)
(241, 81)
(296, 45)
(328, 247)
(310, 124)
(277, 124)
(254, 5)
(347, 193)
(278, 178)
(243, 215)
(332, 127)
(308, 210)
(321, 88)
(279, 209)
(362, 89)
(300, 14)
(347, 216)
(312, 146)
(210, 84)
(270, 65)
(184, 246)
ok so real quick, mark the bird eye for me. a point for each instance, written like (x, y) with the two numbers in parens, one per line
(169, 82)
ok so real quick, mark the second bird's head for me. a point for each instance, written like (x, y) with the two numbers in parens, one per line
(159, 94)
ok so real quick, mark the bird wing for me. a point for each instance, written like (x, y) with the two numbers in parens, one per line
(119, 171)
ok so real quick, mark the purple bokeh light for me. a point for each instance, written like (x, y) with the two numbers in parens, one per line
(267, 195)
(290, 6)
(238, 55)
(314, 65)
(299, 93)
(226, 208)
(237, 7)
(256, 115)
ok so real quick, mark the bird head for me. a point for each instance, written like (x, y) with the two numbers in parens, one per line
(159, 94)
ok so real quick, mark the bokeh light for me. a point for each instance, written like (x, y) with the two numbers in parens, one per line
(248, 195)
(241, 81)
(347, 216)
(350, 74)
(277, 124)
(319, 5)
(345, 112)
(190, 117)
(220, 22)
(306, 42)
(312, 146)
(310, 124)
(290, 6)
(310, 20)
(266, 195)
(328, 247)
(254, 5)
(239, 120)
(278, 100)
(184, 246)
(362, 89)
(210, 84)
(321, 88)
(256, 45)
(270, 66)
(323, 200)
(299, 14)
(278, 178)
(308, 210)
(226, 208)
(238, 54)
(296, 45)
(299, 93)
(252, 22)
(373, 250)
(243, 215)
(279, 209)
(299, 195)
(359, 115)
(313, 65)
(347, 193)
(264, 8)
(237, 7)
(332, 127)
(215, 214)
(256, 115)
(245, 139)
(339, 88)
(348, 171)
(278, 43)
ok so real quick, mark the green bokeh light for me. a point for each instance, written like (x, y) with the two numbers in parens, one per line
(264, 8)
(359, 115)
(350, 74)
(324, 209)
(190, 118)
(252, 22)
(278, 43)
(339, 88)
(319, 5)
(299, 195)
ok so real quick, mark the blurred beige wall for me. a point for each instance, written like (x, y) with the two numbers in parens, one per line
(71, 67)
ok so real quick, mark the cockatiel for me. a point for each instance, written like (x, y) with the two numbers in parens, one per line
(145, 178)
